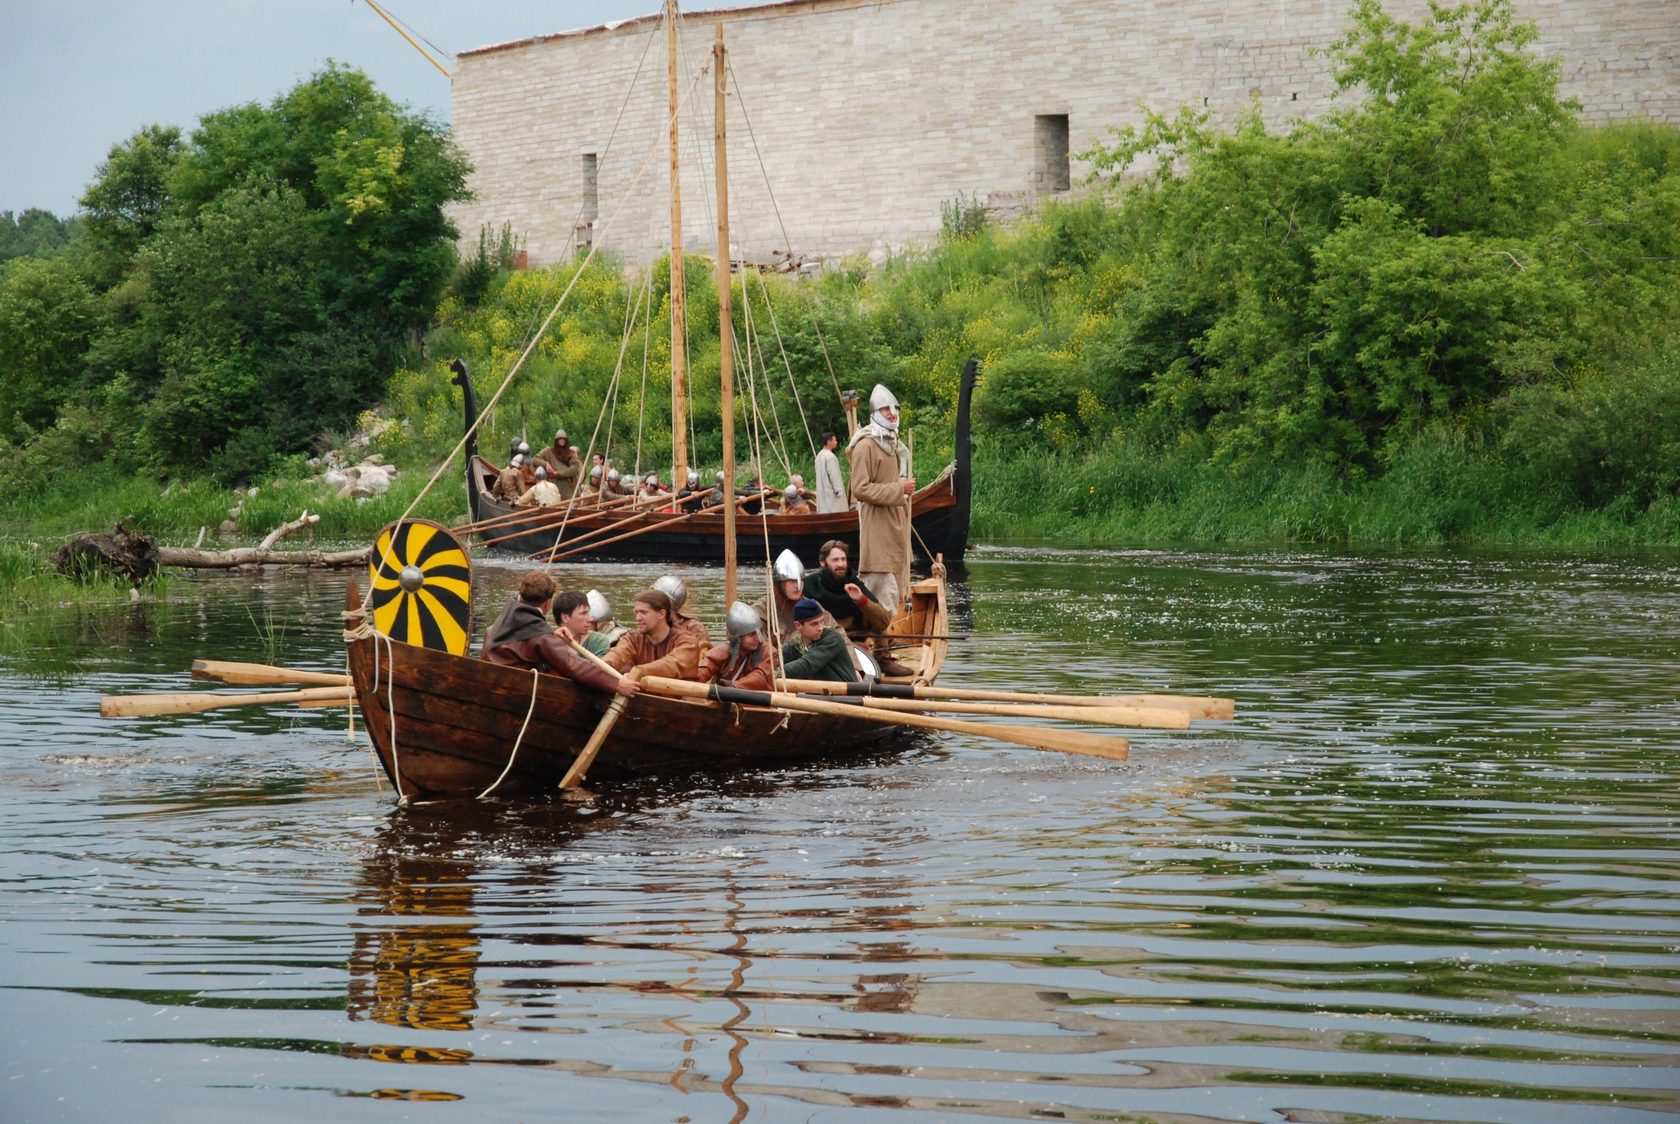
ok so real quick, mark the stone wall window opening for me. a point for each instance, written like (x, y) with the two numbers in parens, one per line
(1051, 171)
(590, 208)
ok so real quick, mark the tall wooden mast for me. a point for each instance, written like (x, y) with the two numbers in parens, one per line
(725, 326)
(679, 321)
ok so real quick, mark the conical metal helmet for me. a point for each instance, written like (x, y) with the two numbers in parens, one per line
(542, 473)
(524, 449)
(693, 478)
(612, 475)
(790, 491)
(672, 586)
(742, 619)
(595, 473)
(599, 607)
(788, 567)
(513, 447)
(518, 459)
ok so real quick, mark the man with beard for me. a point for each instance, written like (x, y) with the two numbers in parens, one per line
(564, 467)
(522, 637)
(848, 600)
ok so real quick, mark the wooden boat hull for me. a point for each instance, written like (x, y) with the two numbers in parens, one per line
(454, 726)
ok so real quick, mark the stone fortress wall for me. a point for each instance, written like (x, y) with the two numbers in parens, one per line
(853, 121)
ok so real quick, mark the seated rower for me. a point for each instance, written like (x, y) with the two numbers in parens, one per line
(744, 660)
(591, 490)
(572, 614)
(522, 637)
(854, 608)
(691, 497)
(541, 493)
(819, 651)
(601, 611)
(794, 502)
(509, 484)
(657, 647)
(674, 588)
(775, 608)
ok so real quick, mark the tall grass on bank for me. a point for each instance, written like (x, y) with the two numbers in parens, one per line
(175, 513)
(1440, 490)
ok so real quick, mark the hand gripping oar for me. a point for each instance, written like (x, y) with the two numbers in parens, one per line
(1065, 741)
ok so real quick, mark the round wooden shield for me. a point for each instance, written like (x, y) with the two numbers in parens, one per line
(422, 586)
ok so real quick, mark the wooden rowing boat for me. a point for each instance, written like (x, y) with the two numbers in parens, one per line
(444, 724)
(447, 725)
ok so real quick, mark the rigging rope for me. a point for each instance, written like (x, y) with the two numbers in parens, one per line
(775, 207)
(518, 363)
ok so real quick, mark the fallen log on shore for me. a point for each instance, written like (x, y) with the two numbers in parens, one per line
(136, 558)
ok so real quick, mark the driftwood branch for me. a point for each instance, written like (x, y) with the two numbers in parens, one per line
(135, 557)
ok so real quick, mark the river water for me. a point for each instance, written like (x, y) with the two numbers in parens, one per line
(1431, 871)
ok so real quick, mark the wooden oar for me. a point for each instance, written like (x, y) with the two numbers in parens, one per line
(660, 525)
(586, 757)
(145, 706)
(262, 674)
(1196, 706)
(1157, 718)
(527, 514)
(1065, 741)
(643, 509)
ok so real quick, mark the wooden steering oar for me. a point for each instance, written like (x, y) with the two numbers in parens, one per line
(1064, 741)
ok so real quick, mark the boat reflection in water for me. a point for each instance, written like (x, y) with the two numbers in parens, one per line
(434, 917)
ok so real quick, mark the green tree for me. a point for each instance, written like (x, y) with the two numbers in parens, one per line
(265, 274)
(46, 317)
(128, 197)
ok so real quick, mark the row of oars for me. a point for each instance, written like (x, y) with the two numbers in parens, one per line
(925, 707)
(516, 524)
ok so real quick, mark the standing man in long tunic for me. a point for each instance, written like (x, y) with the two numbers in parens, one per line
(882, 485)
(831, 489)
(564, 468)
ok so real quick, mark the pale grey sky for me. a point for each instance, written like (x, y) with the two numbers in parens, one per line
(83, 75)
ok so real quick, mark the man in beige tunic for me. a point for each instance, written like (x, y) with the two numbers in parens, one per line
(882, 485)
(831, 489)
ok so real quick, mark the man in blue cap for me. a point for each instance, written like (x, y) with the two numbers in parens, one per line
(818, 650)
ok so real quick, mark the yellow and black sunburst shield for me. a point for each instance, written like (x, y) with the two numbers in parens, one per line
(422, 586)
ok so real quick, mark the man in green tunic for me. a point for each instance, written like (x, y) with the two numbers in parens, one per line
(819, 650)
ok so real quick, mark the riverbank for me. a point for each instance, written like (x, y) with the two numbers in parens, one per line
(1438, 492)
